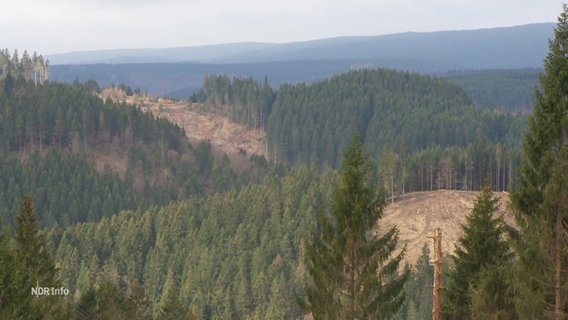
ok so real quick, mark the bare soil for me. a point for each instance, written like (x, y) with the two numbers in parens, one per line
(418, 214)
(225, 135)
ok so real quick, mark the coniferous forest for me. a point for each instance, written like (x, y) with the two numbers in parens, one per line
(122, 215)
(424, 132)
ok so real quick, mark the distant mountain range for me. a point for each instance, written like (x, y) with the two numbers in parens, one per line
(509, 47)
(179, 71)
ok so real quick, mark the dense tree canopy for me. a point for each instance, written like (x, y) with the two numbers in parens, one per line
(84, 158)
(508, 90)
(103, 176)
(425, 131)
(540, 200)
(232, 255)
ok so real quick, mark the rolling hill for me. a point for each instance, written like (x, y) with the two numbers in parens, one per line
(509, 47)
(180, 71)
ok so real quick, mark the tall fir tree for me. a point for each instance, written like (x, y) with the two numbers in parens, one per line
(540, 201)
(352, 269)
(480, 248)
(35, 267)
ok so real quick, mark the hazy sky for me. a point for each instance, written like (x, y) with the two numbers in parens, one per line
(55, 26)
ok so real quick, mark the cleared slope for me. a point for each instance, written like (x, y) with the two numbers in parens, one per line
(418, 214)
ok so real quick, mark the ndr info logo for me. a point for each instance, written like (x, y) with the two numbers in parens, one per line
(49, 291)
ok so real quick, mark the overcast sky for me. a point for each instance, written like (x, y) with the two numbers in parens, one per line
(56, 26)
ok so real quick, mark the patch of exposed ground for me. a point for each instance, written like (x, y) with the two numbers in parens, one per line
(418, 214)
(235, 140)
(229, 137)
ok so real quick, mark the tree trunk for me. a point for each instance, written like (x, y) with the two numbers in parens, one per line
(559, 306)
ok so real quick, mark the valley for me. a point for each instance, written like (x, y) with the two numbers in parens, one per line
(224, 203)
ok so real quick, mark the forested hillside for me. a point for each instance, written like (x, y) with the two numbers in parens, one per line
(230, 256)
(506, 90)
(83, 158)
(425, 132)
(142, 224)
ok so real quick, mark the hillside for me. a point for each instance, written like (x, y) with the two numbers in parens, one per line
(83, 158)
(199, 123)
(418, 214)
(244, 247)
(507, 90)
(225, 135)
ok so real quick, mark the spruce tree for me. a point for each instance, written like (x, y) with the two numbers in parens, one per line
(481, 247)
(352, 269)
(540, 200)
(35, 267)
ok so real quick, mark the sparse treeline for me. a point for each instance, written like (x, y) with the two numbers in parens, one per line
(451, 168)
(33, 68)
(243, 100)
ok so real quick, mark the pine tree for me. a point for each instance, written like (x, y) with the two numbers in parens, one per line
(352, 270)
(540, 201)
(481, 247)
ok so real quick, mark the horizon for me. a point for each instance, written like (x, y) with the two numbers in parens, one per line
(246, 42)
(64, 26)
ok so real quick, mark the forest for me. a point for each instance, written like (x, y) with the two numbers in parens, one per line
(507, 90)
(84, 158)
(117, 208)
(425, 132)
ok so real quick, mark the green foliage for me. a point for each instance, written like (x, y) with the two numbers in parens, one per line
(26, 264)
(243, 100)
(352, 273)
(238, 253)
(507, 90)
(418, 289)
(106, 301)
(83, 158)
(481, 250)
(436, 138)
(33, 68)
(540, 202)
(310, 123)
(171, 308)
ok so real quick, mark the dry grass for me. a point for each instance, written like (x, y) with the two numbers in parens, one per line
(420, 213)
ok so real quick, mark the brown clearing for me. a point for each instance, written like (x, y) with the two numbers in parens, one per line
(420, 213)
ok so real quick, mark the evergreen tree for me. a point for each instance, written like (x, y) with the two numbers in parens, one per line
(172, 308)
(418, 303)
(540, 201)
(352, 270)
(481, 247)
(35, 267)
(9, 285)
